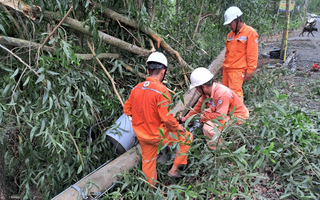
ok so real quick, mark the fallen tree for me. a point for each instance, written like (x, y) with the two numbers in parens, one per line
(52, 97)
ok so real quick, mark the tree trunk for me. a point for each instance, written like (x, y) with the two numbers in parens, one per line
(305, 12)
(78, 25)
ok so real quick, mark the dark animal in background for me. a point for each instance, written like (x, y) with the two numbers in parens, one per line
(309, 30)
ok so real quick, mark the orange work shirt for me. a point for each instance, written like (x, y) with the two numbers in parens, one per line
(242, 50)
(223, 101)
(147, 106)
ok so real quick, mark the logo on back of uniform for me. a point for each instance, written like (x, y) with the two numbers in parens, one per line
(256, 41)
(219, 101)
(146, 84)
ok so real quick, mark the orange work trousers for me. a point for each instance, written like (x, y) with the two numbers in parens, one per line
(209, 131)
(149, 153)
(233, 79)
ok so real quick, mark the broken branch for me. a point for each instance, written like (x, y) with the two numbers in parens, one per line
(105, 70)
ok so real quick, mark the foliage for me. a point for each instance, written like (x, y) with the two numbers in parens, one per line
(276, 149)
(50, 101)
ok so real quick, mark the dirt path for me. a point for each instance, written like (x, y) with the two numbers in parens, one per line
(303, 85)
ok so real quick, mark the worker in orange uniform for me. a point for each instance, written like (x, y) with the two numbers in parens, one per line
(223, 102)
(147, 105)
(241, 55)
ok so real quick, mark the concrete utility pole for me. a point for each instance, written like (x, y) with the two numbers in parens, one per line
(283, 51)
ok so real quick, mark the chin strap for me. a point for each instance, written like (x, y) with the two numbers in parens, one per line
(235, 32)
(165, 72)
(202, 90)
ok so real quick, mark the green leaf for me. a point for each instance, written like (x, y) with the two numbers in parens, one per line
(283, 96)
(40, 70)
(259, 162)
(173, 135)
(232, 111)
(189, 120)
(181, 98)
(280, 108)
(6, 89)
(15, 73)
(7, 69)
(27, 81)
(159, 146)
(296, 163)
(52, 73)
(41, 77)
(270, 147)
(241, 150)
(45, 97)
(204, 103)
(32, 132)
(3, 29)
(285, 196)
(79, 169)
(66, 118)
(276, 94)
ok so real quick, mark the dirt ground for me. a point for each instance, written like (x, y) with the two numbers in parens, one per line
(300, 84)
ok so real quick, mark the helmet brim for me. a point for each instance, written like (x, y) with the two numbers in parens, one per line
(192, 86)
(227, 22)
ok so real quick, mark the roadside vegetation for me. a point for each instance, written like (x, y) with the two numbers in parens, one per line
(273, 155)
(52, 94)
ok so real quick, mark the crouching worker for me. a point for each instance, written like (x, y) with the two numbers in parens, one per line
(147, 104)
(223, 100)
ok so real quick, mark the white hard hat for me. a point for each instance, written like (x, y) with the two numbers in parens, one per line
(200, 76)
(158, 57)
(231, 14)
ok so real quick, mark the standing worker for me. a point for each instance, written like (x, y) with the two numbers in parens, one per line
(241, 55)
(148, 106)
(223, 101)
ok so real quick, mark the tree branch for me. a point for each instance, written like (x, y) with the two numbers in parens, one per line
(55, 29)
(116, 16)
(25, 43)
(105, 70)
(77, 25)
(196, 30)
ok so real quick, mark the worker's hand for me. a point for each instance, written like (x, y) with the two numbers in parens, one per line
(181, 128)
(220, 70)
(247, 77)
(183, 119)
(207, 110)
(204, 117)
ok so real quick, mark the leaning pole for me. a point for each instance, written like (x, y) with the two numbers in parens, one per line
(103, 178)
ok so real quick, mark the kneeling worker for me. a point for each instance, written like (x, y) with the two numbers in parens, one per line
(223, 101)
(148, 107)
